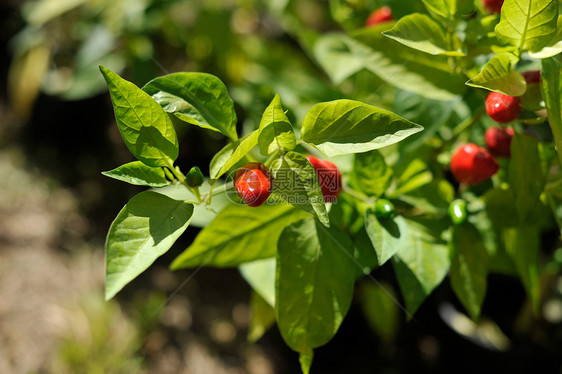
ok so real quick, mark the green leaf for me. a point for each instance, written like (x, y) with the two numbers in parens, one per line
(139, 174)
(420, 265)
(314, 283)
(498, 75)
(448, 9)
(370, 174)
(387, 235)
(365, 255)
(276, 132)
(414, 176)
(144, 230)
(551, 83)
(146, 129)
(231, 154)
(260, 275)
(527, 24)
(443, 8)
(297, 183)
(197, 98)
(419, 31)
(262, 317)
(305, 359)
(525, 174)
(468, 267)
(522, 244)
(554, 47)
(346, 126)
(342, 56)
(501, 207)
(237, 235)
(380, 309)
(431, 198)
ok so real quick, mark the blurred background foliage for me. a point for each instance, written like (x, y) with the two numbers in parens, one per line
(57, 133)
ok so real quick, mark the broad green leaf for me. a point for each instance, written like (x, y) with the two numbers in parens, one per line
(522, 244)
(237, 235)
(138, 173)
(344, 213)
(420, 264)
(262, 316)
(314, 283)
(371, 175)
(346, 126)
(431, 198)
(203, 214)
(146, 129)
(297, 183)
(433, 114)
(231, 154)
(380, 309)
(498, 75)
(415, 175)
(554, 47)
(342, 56)
(501, 207)
(365, 255)
(419, 31)
(198, 98)
(527, 24)
(260, 275)
(448, 9)
(220, 159)
(144, 230)
(443, 8)
(525, 174)
(551, 83)
(468, 267)
(387, 235)
(276, 132)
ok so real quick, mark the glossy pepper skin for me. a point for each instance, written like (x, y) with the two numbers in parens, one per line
(329, 177)
(472, 164)
(503, 108)
(498, 141)
(493, 6)
(457, 211)
(383, 14)
(253, 183)
(384, 209)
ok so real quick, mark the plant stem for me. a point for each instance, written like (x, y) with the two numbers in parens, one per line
(271, 158)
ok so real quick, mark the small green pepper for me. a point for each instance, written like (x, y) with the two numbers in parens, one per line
(384, 209)
(457, 211)
(194, 178)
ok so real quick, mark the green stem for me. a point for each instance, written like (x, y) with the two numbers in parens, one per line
(357, 195)
(272, 158)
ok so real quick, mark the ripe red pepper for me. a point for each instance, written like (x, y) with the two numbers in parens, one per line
(532, 76)
(329, 177)
(472, 164)
(498, 141)
(383, 14)
(493, 6)
(503, 108)
(253, 183)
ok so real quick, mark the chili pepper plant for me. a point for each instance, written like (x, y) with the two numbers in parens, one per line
(354, 186)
